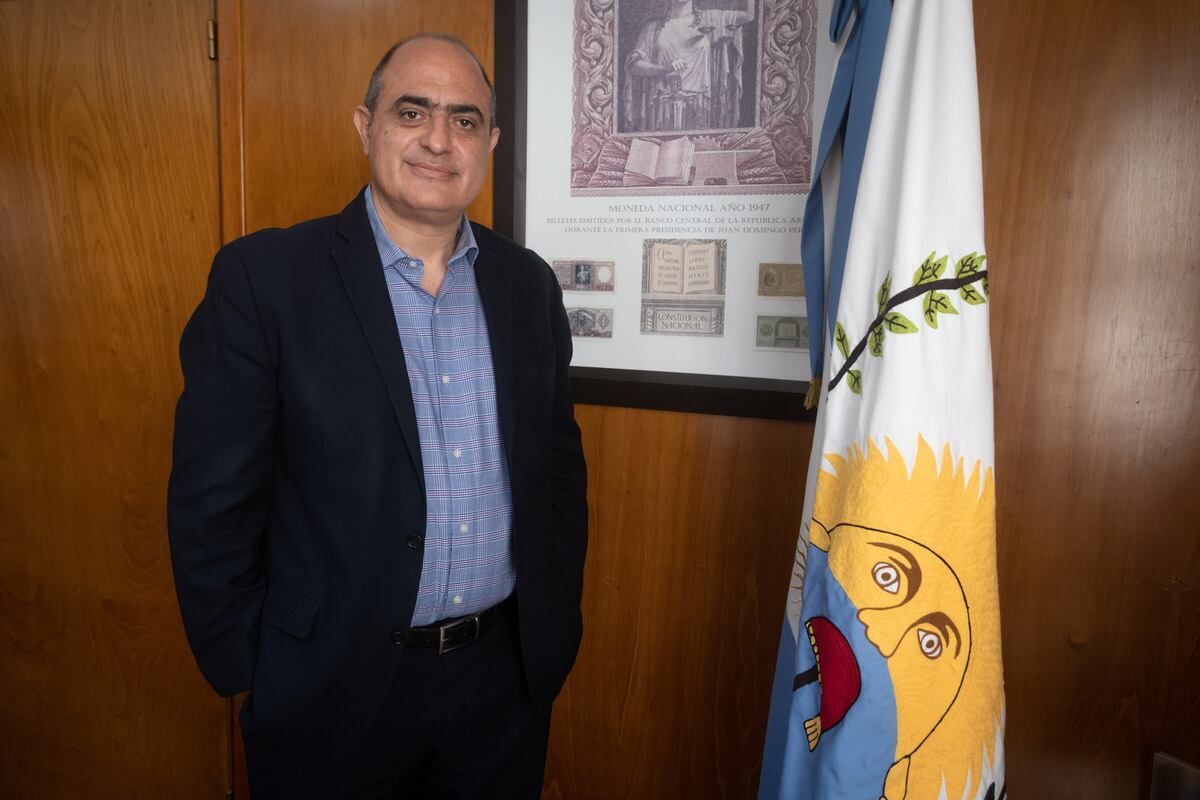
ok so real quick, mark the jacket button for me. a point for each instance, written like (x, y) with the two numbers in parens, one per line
(398, 637)
(415, 540)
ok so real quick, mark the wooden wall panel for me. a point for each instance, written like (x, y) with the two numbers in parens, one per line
(1091, 190)
(693, 529)
(305, 70)
(108, 194)
(1090, 112)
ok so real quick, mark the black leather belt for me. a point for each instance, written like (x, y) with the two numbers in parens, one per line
(452, 634)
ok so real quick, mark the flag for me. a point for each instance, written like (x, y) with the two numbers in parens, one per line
(889, 680)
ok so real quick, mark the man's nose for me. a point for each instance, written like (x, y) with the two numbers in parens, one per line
(437, 134)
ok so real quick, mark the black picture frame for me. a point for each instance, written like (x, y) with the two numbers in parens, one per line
(665, 391)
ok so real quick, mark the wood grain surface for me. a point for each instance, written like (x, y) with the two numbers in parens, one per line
(231, 118)
(306, 65)
(1090, 114)
(108, 192)
(693, 530)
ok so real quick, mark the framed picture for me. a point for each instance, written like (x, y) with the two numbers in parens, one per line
(658, 154)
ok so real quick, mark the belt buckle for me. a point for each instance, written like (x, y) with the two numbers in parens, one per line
(443, 647)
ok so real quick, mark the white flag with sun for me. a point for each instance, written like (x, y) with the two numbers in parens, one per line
(897, 689)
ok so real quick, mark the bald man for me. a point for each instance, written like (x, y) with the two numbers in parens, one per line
(377, 509)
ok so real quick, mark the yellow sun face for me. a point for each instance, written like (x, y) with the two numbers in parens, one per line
(906, 549)
(913, 611)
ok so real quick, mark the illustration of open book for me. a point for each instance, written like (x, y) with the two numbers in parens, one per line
(650, 163)
(684, 268)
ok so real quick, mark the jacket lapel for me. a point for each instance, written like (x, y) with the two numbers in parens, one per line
(362, 275)
(495, 293)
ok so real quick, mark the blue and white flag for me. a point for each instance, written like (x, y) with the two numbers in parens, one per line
(889, 682)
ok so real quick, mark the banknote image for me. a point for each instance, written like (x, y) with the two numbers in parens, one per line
(584, 275)
(587, 322)
(683, 266)
(783, 333)
(683, 318)
(683, 286)
(780, 280)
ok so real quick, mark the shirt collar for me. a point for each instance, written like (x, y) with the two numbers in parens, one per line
(390, 253)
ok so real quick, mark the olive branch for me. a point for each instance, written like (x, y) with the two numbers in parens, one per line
(927, 281)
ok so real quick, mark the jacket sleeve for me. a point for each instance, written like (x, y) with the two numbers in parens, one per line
(568, 470)
(219, 491)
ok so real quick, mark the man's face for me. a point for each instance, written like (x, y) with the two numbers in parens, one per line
(428, 139)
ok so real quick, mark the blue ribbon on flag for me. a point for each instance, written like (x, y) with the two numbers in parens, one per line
(848, 120)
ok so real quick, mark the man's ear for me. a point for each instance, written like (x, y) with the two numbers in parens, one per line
(362, 123)
(495, 138)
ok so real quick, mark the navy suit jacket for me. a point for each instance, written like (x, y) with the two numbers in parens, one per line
(296, 507)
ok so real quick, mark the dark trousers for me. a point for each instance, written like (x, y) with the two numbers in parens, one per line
(459, 725)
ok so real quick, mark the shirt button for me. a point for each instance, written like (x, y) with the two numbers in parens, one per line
(458, 598)
(414, 540)
(463, 528)
(445, 379)
(398, 637)
(457, 452)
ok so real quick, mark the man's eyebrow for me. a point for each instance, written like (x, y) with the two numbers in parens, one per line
(464, 108)
(413, 100)
(429, 105)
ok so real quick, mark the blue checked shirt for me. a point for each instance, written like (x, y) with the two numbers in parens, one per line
(468, 562)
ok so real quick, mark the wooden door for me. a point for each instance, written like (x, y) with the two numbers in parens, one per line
(694, 518)
(305, 68)
(1090, 113)
(694, 521)
(291, 74)
(108, 219)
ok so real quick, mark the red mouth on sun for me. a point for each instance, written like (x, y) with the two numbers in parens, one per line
(837, 673)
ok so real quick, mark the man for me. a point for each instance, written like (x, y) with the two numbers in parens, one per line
(377, 508)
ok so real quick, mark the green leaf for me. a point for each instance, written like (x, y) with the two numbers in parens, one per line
(928, 270)
(929, 311)
(875, 340)
(969, 264)
(936, 303)
(985, 287)
(885, 292)
(898, 323)
(939, 266)
(971, 296)
(942, 301)
(843, 341)
(854, 380)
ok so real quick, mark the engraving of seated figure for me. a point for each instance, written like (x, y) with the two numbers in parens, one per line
(684, 72)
